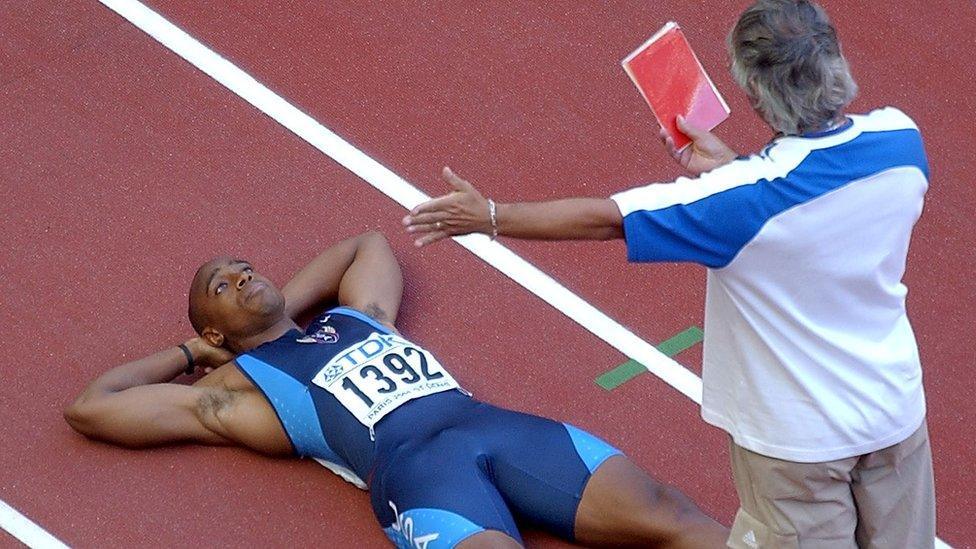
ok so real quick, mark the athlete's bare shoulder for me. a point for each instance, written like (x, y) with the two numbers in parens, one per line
(232, 406)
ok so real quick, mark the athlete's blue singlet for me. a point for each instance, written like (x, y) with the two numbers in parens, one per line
(441, 466)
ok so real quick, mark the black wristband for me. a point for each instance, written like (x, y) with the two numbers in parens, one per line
(190, 366)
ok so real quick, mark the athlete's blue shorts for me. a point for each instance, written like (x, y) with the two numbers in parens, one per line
(483, 471)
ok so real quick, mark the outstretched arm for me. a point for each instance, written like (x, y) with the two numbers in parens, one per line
(466, 211)
(360, 272)
(135, 405)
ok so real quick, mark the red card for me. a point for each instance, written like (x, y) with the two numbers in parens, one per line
(673, 82)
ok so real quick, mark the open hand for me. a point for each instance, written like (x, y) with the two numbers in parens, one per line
(705, 152)
(463, 211)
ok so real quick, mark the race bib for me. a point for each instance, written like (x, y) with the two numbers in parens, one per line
(376, 376)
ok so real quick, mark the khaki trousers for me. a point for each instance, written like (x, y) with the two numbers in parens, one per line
(882, 499)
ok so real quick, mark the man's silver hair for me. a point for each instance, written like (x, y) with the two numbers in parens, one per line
(786, 57)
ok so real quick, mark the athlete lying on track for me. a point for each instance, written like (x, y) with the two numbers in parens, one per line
(443, 469)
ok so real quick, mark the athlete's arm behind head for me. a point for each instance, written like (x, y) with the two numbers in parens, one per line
(359, 272)
(134, 404)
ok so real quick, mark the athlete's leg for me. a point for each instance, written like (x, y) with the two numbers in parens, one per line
(623, 506)
(579, 487)
(490, 539)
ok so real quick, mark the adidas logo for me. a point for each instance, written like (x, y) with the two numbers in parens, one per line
(750, 539)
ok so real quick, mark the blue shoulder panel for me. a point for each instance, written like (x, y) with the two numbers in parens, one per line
(293, 404)
(711, 231)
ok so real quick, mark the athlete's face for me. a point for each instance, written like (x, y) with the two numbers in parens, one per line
(229, 297)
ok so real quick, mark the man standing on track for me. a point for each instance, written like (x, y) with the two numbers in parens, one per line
(443, 469)
(810, 363)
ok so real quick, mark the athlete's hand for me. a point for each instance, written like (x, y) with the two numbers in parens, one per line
(207, 356)
(463, 211)
(705, 153)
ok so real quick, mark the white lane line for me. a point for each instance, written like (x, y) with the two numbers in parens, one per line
(26, 530)
(406, 194)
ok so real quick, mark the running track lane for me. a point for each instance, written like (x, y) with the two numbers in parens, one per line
(234, 154)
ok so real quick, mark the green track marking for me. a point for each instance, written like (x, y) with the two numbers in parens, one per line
(631, 369)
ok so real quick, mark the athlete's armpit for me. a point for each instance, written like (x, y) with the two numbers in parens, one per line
(211, 403)
(375, 312)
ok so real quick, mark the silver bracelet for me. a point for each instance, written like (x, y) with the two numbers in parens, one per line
(494, 219)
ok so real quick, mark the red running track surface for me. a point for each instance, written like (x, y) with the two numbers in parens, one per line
(125, 167)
